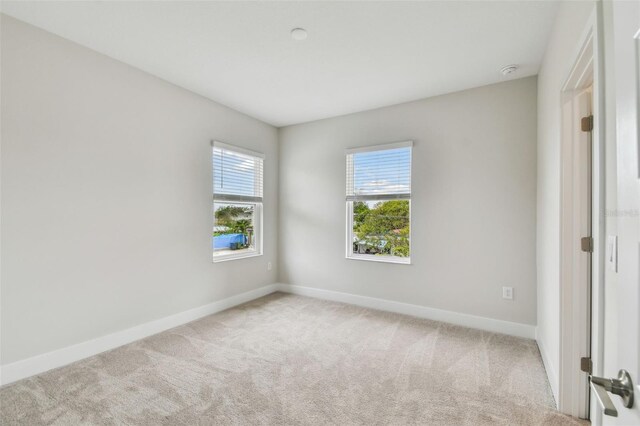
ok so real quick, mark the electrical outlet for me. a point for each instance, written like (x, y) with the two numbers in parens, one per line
(507, 293)
(269, 266)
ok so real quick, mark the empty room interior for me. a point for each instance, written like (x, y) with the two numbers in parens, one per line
(320, 213)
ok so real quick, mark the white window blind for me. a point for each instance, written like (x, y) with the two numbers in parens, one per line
(379, 172)
(237, 174)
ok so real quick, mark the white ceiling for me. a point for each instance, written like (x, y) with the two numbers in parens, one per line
(358, 56)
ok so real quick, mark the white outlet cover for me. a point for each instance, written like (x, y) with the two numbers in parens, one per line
(507, 293)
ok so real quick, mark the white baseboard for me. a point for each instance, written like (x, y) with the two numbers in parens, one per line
(58, 358)
(40, 363)
(466, 320)
(554, 379)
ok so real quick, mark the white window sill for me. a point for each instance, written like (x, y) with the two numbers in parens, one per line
(235, 256)
(383, 259)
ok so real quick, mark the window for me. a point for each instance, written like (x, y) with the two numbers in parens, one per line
(237, 202)
(379, 203)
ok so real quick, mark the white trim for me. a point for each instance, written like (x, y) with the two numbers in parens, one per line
(349, 230)
(238, 149)
(226, 198)
(572, 392)
(599, 206)
(379, 197)
(552, 375)
(383, 259)
(40, 363)
(457, 318)
(382, 147)
(235, 256)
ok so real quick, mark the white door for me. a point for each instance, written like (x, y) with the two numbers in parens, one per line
(623, 348)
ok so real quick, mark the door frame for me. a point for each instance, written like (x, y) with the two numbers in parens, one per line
(580, 331)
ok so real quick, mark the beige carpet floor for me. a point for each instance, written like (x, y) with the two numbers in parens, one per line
(291, 360)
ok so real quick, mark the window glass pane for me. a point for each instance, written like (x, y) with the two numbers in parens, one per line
(380, 172)
(381, 228)
(233, 228)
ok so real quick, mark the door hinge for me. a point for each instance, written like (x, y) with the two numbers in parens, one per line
(586, 364)
(586, 124)
(586, 244)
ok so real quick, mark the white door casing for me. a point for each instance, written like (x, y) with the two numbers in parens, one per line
(580, 159)
(583, 260)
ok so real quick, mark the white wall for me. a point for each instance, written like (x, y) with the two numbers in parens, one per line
(473, 207)
(561, 52)
(106, 186)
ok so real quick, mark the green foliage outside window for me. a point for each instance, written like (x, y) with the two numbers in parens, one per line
(237, 219)
(383, 228)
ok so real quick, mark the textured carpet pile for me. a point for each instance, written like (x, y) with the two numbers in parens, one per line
(291, 360)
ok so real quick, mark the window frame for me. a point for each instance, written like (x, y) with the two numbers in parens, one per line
(258, 204)
(349, 254)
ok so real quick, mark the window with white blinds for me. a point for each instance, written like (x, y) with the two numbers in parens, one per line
(378, 197)
(237, 173)
(237, 202)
